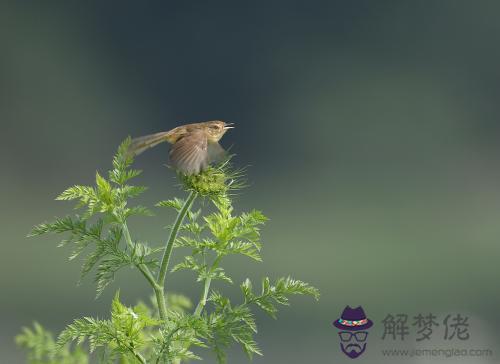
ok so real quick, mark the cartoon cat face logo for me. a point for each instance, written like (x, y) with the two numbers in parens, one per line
(353, 325)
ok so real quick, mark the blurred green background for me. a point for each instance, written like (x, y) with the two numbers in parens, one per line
(371, 128)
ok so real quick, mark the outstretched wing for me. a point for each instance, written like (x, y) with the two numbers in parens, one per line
(215, 152)
(190, 153)
(140, 144)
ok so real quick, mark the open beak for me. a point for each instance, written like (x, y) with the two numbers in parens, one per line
(228, 126)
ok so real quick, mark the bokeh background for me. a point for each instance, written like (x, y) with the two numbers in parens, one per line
(371, 129)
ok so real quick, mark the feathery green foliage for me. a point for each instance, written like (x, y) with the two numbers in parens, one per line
(123, 334)
(168, 329)
(42, 348)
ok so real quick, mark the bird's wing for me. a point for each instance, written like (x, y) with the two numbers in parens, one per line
(189, 154)
(215, 152)
(140, 144)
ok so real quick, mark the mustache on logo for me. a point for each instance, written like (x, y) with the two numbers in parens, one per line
(353, 346)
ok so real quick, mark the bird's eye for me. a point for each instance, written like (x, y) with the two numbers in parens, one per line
(214, 127)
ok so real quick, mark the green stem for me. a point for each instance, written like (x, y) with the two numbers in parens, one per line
(166, 344)
(146, 272)
(203, 301)
(159, 283)
(160, 300)
(126, 232)
(143, 268)
(138, 356)
(173, 235)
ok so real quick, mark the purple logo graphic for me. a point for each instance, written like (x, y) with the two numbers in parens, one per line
(353, 326)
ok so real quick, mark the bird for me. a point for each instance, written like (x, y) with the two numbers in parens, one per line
(194, 146)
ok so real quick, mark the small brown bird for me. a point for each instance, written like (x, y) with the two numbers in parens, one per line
(194, 147)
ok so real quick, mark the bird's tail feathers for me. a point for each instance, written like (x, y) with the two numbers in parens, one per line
(143, 143)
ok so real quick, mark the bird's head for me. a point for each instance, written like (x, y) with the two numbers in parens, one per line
(215, 129)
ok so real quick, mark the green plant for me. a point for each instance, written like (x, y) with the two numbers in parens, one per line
(166, 330)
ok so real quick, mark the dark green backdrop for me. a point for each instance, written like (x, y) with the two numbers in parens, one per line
(371, 127)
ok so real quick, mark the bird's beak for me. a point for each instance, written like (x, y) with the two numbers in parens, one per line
(228, 126)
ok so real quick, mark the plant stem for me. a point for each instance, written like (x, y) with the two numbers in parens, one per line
(143, 268)
(160, 298)
(139, 357)
(166, 343)
(173, 235)
(168, 251)
(159, 283)
(134, 353)
(126, 232)
(203, 301)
